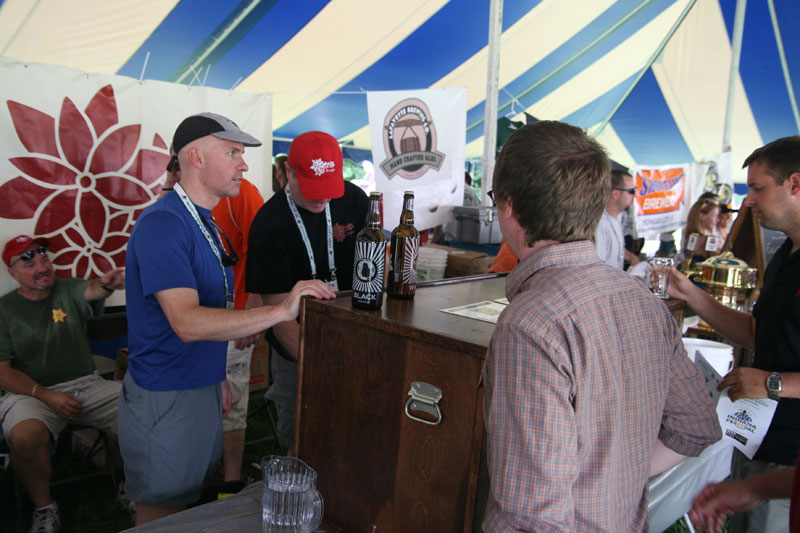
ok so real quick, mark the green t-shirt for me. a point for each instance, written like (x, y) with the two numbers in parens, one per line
(46, 339)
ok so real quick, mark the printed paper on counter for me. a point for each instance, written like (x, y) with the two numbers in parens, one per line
(486, 311)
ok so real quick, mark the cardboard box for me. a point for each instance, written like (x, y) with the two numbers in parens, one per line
(464, 262)
(259, 365)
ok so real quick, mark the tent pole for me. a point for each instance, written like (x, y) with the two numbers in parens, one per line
(646, 67)
(782, 53)
(490, 116)
(736, 52)
(221, 35)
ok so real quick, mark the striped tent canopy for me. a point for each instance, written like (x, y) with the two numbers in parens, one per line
(649, 78)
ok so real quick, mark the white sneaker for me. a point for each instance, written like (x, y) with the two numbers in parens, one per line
(46, 520)
(122, 498)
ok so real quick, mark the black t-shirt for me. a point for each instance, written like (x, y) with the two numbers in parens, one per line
(277, 258)
(777, 348)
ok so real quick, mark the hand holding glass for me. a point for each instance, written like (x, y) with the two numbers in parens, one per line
(659, 277)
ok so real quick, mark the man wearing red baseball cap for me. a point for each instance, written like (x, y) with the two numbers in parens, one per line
(305, 231)
(46, 366)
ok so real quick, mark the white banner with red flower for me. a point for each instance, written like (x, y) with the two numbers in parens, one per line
(81, 155)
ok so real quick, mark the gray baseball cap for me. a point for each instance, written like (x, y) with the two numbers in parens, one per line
(197, 126)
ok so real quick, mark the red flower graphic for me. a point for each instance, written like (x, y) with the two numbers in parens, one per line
(83, 180)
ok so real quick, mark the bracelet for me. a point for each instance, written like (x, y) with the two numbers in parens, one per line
(33, 392)
(167, 189)
(106, 288)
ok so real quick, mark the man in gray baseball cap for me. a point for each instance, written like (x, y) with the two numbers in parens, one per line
(180, 317)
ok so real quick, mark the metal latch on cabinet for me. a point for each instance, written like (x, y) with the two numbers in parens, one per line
(424, 397)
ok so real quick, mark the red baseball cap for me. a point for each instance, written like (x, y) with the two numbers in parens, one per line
(316, 160)
(18, 244)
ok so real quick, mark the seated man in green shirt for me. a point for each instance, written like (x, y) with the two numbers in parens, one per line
(46, 366)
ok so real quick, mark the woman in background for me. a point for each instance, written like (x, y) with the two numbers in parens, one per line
(702, 220)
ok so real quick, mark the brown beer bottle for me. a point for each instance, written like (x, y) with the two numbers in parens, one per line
(405, 249)
(370, 259)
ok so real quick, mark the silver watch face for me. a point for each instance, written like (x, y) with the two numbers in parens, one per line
(774, 385)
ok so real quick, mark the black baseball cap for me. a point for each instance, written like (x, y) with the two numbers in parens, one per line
(197, 126)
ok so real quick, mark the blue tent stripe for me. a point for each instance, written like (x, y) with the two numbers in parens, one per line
(523, 85)
(177, 39)
(760, 67)
(185, 28)
(268, 36)
(225, 43)
(444, 41)
(645, 126)
(597, 110)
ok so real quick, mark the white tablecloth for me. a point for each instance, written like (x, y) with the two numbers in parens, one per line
(672, 492)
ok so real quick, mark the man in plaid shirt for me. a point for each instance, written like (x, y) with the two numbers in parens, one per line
(588, 387)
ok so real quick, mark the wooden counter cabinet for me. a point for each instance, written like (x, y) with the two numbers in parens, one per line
(377, 467)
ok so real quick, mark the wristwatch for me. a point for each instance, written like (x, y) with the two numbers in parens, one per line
(774, 385)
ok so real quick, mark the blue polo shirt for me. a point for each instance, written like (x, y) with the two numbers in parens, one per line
(167, 250)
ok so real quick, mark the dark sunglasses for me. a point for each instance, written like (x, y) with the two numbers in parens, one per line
(631, 191)
(27, 256)
(173, 164)
(490, 194)
(228, 260)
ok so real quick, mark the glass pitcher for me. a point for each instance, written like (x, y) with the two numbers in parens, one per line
(291, 502)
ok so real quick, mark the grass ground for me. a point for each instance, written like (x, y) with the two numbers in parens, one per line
(90, 505)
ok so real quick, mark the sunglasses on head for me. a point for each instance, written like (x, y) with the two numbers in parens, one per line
(27, 256)
(632, 190)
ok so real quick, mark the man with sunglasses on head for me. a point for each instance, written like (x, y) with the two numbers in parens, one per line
(234, 215)
(609, 239)
(46, 366)
(180, 303)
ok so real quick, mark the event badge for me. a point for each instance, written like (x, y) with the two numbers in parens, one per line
(711, 243)
(691, 244)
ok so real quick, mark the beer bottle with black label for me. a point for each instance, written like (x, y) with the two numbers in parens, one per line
(405, 249)
(370, 259)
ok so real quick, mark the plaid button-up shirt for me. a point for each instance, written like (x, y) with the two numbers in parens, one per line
(585, 371)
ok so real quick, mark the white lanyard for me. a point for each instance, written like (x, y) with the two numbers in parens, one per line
(187, 203)
(307, 241)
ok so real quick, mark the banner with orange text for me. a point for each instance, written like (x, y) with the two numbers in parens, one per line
(661, 198)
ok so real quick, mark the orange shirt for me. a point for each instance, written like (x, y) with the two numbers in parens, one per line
(234, 215)
(506, 259)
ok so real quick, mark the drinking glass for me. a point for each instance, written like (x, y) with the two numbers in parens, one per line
(291, 503)
(659, 267)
